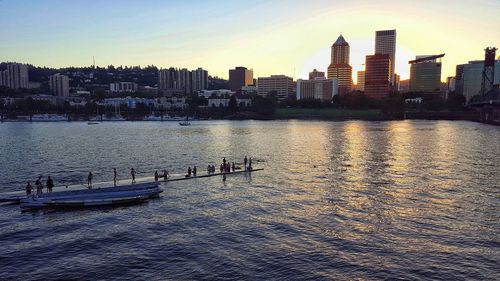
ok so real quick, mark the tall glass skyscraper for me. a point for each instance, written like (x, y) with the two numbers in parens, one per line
(385, 44)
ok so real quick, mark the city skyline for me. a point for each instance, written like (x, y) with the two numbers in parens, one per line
(219, 36)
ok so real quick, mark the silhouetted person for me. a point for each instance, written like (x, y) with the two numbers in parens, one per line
(29, 188)
(194, 171)
(156, 175)
(250, 161)
(189, 172)
(39, 185)
(233, 167)
(209, 169)
(89, 180)
(165, 175)
(245, 161)
(115, 176)
(132, 173)
(50, 184)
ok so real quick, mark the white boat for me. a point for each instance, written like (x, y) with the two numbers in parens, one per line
(94, 197)
(185, 123)
(48, 118)
(152, 118)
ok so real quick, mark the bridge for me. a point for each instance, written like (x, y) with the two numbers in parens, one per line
(488, 106)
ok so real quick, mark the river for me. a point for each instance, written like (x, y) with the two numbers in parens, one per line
(336, 201)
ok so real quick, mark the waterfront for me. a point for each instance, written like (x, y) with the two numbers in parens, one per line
(337, 200)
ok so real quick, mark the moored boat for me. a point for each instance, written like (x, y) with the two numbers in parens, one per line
(94, 197)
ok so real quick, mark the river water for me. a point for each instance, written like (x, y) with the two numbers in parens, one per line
(336, 201)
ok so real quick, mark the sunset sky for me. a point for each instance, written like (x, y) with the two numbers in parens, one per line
(272, 37)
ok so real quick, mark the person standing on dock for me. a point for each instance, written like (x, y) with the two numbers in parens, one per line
(250, 161)
(165, 175)
(29, 188)
(39, 186)
(50, 184)
(132, 173)
(156, 175)
(209, 169)
(233, 167)
(245, 161)
(89, 180)
(115, 176)
(194, 171)
(189, 172)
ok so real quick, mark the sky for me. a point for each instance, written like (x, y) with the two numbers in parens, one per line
(272, 37)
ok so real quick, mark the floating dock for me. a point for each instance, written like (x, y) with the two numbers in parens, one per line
(16, 196)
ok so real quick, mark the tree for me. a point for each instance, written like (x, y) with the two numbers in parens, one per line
(233, 104)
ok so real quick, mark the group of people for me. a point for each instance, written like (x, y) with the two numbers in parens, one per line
(39, 186)
(165, 175)
(225, 167)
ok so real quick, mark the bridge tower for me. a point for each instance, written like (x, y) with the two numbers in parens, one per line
(488, 70)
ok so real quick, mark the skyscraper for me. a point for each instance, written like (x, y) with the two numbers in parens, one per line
(378, 70)
(15, 76)
(385, 43)
(339, 65)
(199, 79)
(425, 73)
(239, 77)
(59, 84)
(361, 81)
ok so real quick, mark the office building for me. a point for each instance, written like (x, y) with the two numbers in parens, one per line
(339, 65)
(425, 73)
(59, 85)
(472, 77)
(385, 43)
(361, 81)
(15, 76)
(239, 77)
(320, 89)
(123, 87)
(283, 86)
(316, 74)
(377, 75)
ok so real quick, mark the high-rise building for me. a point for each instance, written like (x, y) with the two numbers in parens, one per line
(472, 76)
(173, 81)
(239, 77)
(361, 81)
(425, 73)
(377, 75)
(320, 89)
(316, 74)
(385, 43)
(339, 65)
(199, 79)
(15, 76)
(282, 85)
(59, 84)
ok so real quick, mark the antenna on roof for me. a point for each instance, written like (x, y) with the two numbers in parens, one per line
(93, 59)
